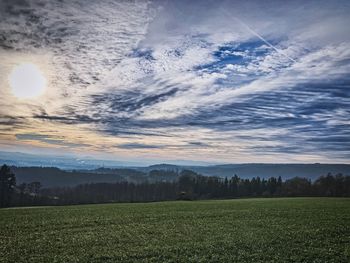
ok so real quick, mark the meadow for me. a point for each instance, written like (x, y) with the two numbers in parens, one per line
(240, 230)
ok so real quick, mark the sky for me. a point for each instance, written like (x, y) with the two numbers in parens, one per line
(211, 81)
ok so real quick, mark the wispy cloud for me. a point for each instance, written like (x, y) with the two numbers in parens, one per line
(234, 82)
(49, 139)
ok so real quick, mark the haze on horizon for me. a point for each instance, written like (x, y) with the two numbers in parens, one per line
(227, 82)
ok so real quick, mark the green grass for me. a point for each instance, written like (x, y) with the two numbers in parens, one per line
(246, 230)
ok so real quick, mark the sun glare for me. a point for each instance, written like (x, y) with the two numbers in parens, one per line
(27, 81)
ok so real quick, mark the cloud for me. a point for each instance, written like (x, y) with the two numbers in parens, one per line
(48, 139)
(138, 146)
(230, 80)
(76, 43)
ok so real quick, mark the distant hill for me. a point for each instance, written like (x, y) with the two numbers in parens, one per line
(311, 171)
(163, 166)
(63, 162)
(52, 177)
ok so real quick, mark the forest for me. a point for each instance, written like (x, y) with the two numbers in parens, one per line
(185, 185)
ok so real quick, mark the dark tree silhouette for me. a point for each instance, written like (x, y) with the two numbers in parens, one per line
(159, 185)
(7, 185)
(34, 187)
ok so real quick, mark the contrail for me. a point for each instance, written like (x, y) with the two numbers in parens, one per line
(261, 38)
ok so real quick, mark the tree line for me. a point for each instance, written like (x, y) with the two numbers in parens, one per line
(187, 185)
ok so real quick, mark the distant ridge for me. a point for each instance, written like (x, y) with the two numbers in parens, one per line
(58, 177)
(311, 171)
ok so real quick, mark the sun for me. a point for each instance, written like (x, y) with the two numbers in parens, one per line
(27, 81)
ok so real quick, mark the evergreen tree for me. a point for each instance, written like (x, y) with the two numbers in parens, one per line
(7, 185)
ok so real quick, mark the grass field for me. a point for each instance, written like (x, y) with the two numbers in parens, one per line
(245, 230)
